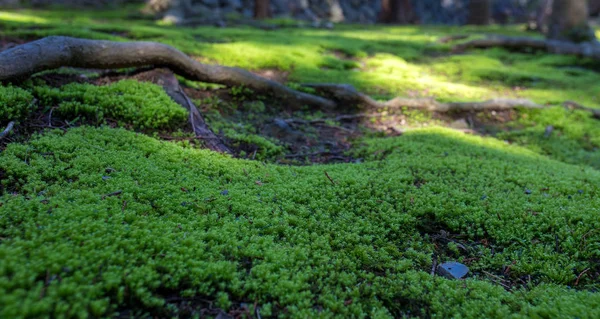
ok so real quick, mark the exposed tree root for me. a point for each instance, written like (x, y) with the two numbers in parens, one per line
(586, 49)
(199, 126)
(56, 51)
(348, 94)
(595, 112)
(7, 130)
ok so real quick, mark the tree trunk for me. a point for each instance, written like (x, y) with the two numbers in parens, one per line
(569, 21)
(594, 7)
(337, 14)
(262, 9)
(480, 12)
(396, 11)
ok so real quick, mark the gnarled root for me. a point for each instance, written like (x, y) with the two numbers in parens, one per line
(199, 126)
(586, 49)
(57, 51)
(349, 95)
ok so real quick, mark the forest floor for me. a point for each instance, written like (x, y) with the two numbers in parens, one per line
(109, 206)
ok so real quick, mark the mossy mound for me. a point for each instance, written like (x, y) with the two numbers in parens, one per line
(99, 221)
(15, 104)
(140, 104)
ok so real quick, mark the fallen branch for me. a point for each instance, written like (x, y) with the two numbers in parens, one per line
(586, 49)
(6, 131)
(57, 51)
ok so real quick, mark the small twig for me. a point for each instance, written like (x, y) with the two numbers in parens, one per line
(434, 266)
(499, 280)
(117, 193)
(330, 179)
(50, 117)
(7, 130)
(326, 153)
(581, 274)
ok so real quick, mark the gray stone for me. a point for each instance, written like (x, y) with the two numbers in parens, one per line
(453, 270)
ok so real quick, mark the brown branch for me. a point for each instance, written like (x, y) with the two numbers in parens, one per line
(586, 49)
(329, 177)
(6, 131)
(57, 51)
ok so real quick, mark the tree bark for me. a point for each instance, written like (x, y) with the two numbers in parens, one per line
(337, 14)
(569, 21)
(396, 11)
(480, 12)
(262, 9)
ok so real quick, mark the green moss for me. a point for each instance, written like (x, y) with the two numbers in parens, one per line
(142, 105)
(15, 104)
(285, 237)
(575, 136)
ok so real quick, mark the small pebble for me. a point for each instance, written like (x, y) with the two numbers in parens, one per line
(225, 193)
(453, 270)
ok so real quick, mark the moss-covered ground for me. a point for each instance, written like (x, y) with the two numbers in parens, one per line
(109, 208)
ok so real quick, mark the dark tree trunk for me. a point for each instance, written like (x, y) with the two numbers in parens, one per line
(262, 9)
(396, 11)
(594, 7)
(480, 12)
(569, 21)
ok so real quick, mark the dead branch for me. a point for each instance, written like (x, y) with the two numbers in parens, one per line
(586, 49)
(6, 131)
(57, 51)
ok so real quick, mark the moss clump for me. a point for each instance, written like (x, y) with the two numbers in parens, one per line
(15, 104)
(575, 136)
(142, 105)
(198, 225)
